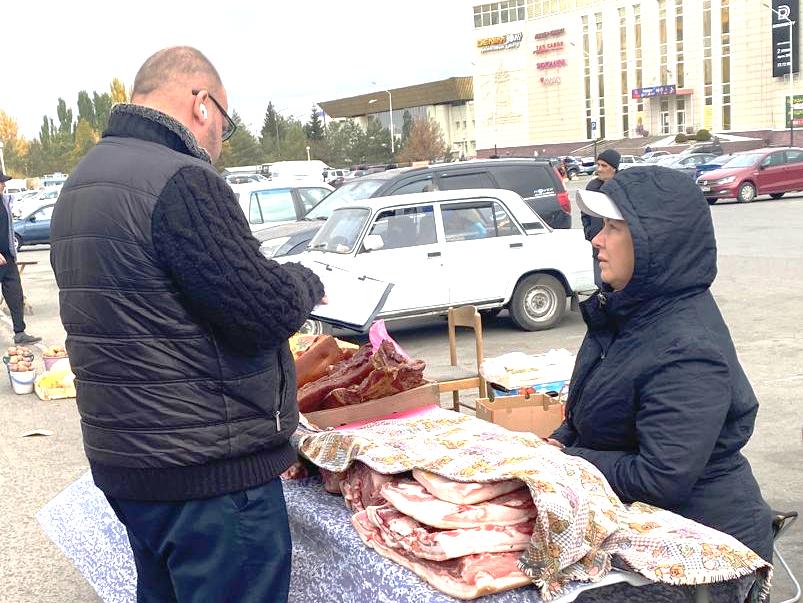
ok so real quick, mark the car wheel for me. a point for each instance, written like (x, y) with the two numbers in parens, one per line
(776, 195)
(747, 193)
(17, 242)
(315, 327)
(711, 200)
(538, 303)
(490, 312)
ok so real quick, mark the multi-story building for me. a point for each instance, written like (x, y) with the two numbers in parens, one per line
(449, 102)
(561, 73)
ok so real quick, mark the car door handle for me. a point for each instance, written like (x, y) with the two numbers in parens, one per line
(434, 254)
(512, 245)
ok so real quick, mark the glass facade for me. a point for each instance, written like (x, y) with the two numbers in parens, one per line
(726, 64)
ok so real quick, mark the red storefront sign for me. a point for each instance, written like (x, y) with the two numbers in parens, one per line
(552, 64)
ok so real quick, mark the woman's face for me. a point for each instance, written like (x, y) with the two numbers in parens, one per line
(614, 247)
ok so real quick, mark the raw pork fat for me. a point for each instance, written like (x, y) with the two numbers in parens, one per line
(463, 493)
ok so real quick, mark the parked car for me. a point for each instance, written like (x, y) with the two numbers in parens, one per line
(712, 146)
(628, 161)
(713, 164)
(771, 171)
(33, 228)
(652, 155)
(26, 205)
(536, 180)
(485, 247)
(266, 203)
(573, 166)
(588, 165)
(245, 178)
(335, 177)
(686, 163)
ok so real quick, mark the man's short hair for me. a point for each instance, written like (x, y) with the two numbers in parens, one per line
(166, 65)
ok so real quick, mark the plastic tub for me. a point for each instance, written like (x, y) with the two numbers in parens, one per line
(22, 382)
(51, 360)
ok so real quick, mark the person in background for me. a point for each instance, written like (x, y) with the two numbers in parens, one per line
(177, 332)
(607, 167)
(659, 402)
(10, 281)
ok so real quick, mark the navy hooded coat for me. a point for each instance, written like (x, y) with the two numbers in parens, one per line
(659, 402)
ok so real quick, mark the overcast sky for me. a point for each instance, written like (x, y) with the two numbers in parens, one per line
(294, 52)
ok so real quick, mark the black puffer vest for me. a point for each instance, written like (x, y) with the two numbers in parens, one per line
(167, 412)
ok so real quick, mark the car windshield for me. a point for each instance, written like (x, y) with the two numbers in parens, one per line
(341, 231)
(351, 191)
(745, 160)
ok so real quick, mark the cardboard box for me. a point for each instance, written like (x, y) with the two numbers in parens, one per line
(538, 413)
(423, 395)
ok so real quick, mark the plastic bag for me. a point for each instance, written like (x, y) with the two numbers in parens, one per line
(379, 333)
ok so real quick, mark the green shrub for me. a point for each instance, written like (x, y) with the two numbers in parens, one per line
(703, 135)
(681, 138)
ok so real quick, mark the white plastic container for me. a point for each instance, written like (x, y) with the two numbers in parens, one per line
(22, 382)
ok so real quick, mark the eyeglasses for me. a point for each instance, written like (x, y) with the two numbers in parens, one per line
(229, 127)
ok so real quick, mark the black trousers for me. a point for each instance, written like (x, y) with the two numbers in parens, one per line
(12, 292)
(233, 548)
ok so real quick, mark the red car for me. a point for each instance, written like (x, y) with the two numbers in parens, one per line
(772, 172)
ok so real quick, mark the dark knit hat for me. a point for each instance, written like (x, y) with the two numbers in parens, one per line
(611, 157)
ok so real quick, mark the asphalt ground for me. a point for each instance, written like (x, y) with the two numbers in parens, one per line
(759, 289)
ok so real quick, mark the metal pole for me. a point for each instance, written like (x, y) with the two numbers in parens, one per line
(390, 105)
(2, 158)
(791, 87)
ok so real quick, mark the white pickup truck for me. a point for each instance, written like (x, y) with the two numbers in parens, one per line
(484, 247)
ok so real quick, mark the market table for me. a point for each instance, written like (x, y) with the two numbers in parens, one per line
(330, 562)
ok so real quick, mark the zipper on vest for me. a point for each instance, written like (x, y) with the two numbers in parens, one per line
(278, 421)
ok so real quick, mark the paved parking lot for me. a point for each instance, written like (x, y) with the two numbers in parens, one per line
(759, 289)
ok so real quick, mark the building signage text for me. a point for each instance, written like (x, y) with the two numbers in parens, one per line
(552, 64)
(500, 42)
(548, 47)
(653, 91)
(784, 50)
(550, 34)
(550, 80)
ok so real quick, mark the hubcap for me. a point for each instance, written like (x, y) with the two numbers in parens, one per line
(748, 192)
(540, 303)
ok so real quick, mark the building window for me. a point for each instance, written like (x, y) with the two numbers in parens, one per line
(662, 40)
(637, 47)
(623, 61)
(679, 43)
(664, 115)
(708, 77)
(500, 12)
(680, 115)
(600, 75)
(587, 77)
(726, 65)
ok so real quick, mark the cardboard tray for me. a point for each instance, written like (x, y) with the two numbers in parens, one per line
(54, 393)
(423, 395)
(538, 413)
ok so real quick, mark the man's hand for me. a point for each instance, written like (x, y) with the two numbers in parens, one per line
(324, 300)
(3, 260)
(554, 443)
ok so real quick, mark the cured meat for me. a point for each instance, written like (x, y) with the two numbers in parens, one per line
(399, 530)
(463, 493)
(391, 373)
(332, 481)
(343, 374)
(412, 499)
(297, 470)
(316, 361)
(361, 486)
(465, 578)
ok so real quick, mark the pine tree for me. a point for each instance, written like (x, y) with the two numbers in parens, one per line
(314, 128)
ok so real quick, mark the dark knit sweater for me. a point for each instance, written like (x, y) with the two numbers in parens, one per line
(176, 325)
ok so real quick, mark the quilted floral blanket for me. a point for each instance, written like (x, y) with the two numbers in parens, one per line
(581, 523)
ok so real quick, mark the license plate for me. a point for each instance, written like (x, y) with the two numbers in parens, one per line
(705, 189)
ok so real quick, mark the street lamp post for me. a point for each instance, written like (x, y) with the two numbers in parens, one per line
(390, 115)
(785, 17)
(2, 159)
(308, 153)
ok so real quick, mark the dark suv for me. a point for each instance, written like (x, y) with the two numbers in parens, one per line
(535, 180)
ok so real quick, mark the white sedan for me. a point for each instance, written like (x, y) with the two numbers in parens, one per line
(484, 247)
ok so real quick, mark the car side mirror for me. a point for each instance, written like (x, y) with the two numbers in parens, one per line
(32, 219)
(373, 242)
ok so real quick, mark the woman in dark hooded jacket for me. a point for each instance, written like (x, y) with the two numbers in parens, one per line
(658, 401)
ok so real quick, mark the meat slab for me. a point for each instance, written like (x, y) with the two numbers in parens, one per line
(361, 486)
(401, 531)
(464, 578)
(411, 498)
(462, 493)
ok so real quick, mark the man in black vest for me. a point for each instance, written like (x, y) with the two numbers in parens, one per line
(9, 272)
(177, 332)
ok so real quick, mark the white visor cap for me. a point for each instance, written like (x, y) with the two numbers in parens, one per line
(597, 204)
